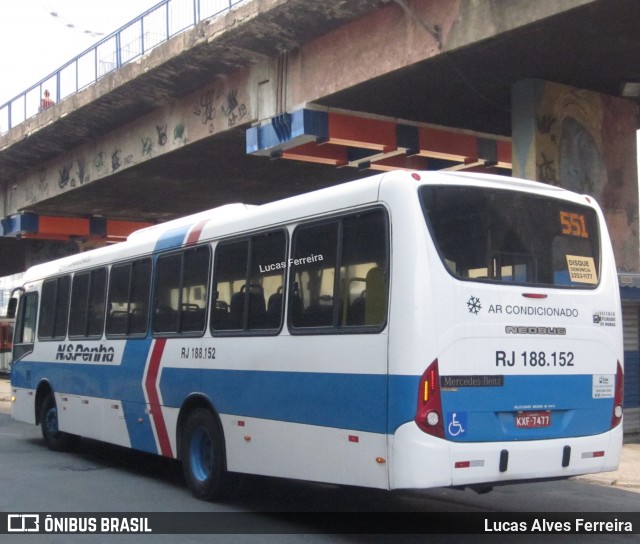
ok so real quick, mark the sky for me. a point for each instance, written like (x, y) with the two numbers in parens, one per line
(38, 36)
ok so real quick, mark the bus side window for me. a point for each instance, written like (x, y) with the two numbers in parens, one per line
(266, 278)
(88, 294)
(128, 299)
(248, 279)
(25, 328)
(339, 274)
(364, 270)
(194, 289)
(139, 297)
(97, 302)
(180, 300)
(313, 274)
(167, 296)
(230, 273)
(54, 308)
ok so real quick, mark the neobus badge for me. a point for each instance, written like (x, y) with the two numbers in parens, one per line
(556, 331)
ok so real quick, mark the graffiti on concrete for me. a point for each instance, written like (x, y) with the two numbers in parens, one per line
(116, 161)
(161, 130)
(547, 170)
(147, 146)
(232, 109)
(205, 108)
(98, 160)
(82, 170)
(64, 177)
(179, 133)
(225, 101)
(214, 109)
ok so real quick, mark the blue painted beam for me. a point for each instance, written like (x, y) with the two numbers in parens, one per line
(287, 130)
(18, 224)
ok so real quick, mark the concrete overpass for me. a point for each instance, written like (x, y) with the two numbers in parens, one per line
(167, 135)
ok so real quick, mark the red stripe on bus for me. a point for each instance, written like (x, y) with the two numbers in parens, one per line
(154, 397)
(194, 234)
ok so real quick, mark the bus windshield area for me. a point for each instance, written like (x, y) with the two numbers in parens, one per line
(493, 235)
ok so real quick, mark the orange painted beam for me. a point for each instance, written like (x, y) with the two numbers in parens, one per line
(322, 154)
(121, 229)
(349, 137)
(63, 226)
(446, 144)
(52, 237)
(491, 169)
(354, 131)
(400, 162)
(505, 159)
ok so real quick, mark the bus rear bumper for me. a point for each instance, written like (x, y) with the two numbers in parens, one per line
(422, 461)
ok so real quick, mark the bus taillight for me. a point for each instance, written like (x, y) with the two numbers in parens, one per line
(429, 412)
(616, 417)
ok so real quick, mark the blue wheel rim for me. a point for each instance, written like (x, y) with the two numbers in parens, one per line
(51, 421)
(201, 455)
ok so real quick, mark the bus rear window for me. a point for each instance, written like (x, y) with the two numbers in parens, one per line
(513, 237)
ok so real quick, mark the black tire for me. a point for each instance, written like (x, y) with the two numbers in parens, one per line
(203, 456)
(55, 439)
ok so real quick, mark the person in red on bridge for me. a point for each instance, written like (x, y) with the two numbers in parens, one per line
(46, 101)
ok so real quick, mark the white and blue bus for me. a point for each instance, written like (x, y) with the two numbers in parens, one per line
(410, 330)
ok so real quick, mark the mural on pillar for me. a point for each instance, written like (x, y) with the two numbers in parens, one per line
(585, 142)
(218, 107)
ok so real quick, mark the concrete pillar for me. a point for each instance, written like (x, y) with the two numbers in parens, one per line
(585, 142)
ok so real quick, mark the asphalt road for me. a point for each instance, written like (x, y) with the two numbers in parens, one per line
(104, 478)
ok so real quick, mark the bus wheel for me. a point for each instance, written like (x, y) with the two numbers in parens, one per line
(203, 457)
(55, 439)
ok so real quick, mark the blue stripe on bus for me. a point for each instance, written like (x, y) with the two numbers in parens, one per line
(172, 239)
(127, 385)
(122, 382)
(28, 374)
(348, 401)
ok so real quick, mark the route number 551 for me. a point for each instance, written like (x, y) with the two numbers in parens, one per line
(573, 224)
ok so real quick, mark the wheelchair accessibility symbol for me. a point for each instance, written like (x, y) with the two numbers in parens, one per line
(457, 423)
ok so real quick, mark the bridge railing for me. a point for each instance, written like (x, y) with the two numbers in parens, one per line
(136, 38)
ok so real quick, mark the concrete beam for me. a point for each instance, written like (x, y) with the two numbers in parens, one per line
(220, 106)
(397, 36)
